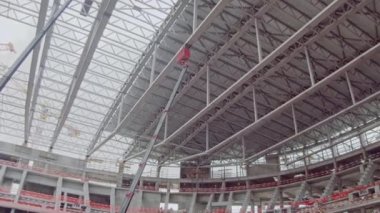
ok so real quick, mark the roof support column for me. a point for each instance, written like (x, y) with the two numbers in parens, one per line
(193, 202)
(229, 202)
(153, 69)
(259, 50)
(209, 203)
(294, 119)
(246, 202)
(12, 69)
(58, 194)
(309, 67)
(121, 110)
(352, 94)
(112, 200)
(86, 196)
(207, 102)
(301, 192)
(195, 15)
(330, 185)
(2, 173)
(166, 125)
(149, 148)
(256, 117)
(167, 197)
(333, 152)
(362, 140)
(273, 200)
(21, 185)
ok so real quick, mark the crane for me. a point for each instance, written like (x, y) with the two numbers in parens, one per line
(7, 47)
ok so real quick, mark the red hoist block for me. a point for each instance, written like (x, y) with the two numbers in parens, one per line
(184, 56)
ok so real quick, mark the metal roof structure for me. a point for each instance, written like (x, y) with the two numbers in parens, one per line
(265, 77)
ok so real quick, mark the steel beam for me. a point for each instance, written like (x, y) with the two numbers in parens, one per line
(33, 66)
(190, 41)
(102, 18)
(14, 67)
(149, 149)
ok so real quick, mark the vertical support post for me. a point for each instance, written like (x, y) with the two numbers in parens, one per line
(309, 67)
(254, 103)
(193, 202)
(2, 173)
(257, 30)
(158, 170)
(58, 192)
(195, 15)
(21, 185)
(86, 196)
(153, 68)
(333, 152)
(208, 85)
(243, 147)
(12, 69)
(166, 125)
(362, 139)
(209, 202)
(120, 115)
(207, 137)
(294, 119)
(305, 162)
(229, 202)
(246, 202)
(113, 200)
(350, 88)
(207, 102)
(167, 197)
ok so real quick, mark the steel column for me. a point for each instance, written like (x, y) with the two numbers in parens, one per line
(12, 69)
(294, 119)
(113, 200)
(352, 94)
(166, 125)
(58, 194)
(258, 42)
(256, 116)
(195, 15)
(153, 69)
(309, 67)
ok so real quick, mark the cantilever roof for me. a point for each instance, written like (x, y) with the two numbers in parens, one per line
(309, 72)
(130, 30)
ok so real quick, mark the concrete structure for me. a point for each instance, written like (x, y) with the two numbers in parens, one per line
(196, 105)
